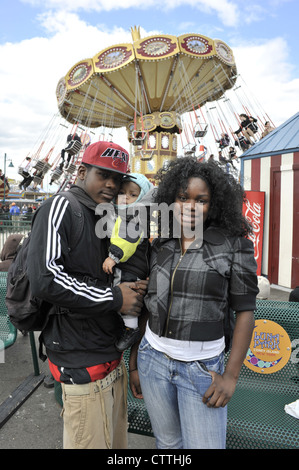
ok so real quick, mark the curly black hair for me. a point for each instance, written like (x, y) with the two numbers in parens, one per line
(227, 195)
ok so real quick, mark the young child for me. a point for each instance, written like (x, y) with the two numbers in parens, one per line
(129, 249)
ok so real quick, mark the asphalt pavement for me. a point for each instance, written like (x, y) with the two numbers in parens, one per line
(36, 423)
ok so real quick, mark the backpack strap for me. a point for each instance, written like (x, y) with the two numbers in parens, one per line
(77, 217)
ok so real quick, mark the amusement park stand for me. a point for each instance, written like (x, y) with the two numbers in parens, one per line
(30, 413)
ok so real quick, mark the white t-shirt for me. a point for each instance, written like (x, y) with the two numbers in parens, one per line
(185, 350)
(27, 166)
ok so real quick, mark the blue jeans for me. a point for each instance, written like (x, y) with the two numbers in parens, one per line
(173, 392)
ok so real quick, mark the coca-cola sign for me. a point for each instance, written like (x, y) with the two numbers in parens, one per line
(254, 209)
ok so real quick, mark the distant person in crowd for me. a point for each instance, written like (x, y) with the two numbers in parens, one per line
(223, 161)
(27, 178)
(268, 129)
(264, 288)
(294, 295)
(223, 141)
(4, 180)
(70, 139)
(242, 143)
(15, 213)
(222, 158)
(9, 250)
(232, 155)
(248, 127)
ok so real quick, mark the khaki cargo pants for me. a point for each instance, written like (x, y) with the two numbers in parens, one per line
(95, 414)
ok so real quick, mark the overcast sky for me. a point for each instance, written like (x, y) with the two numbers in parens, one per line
(41, 40)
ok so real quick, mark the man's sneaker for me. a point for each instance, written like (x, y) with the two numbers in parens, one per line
(129, 337)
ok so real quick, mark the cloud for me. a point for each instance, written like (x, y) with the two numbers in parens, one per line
(254, 13)
(266, 69)
(226, 10)
(31, 69)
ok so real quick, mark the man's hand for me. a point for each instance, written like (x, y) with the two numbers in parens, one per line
(132, 293)
(135, 384)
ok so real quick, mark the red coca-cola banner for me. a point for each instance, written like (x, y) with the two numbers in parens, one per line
(254, 210)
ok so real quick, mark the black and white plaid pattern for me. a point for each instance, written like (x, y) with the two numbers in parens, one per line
(188, 295)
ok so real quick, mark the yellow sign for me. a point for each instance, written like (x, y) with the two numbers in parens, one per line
(270, 348)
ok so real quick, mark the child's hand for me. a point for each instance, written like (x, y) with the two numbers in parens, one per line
(108, 265)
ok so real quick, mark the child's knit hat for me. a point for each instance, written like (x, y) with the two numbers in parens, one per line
(144, 184)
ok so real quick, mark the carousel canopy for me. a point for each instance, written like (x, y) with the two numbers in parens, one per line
(147, 84)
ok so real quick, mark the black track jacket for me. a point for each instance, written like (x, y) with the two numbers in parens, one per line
(83, 331)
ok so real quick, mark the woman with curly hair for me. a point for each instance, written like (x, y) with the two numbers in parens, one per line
(194, 281)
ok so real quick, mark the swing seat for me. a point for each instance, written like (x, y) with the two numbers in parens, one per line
(223, 146)
(138, 140)
(37, 179)
(39, 165)
(56, 174)
(146, 158)
(46, 168)
(190, 150)
(71, 168)
(75, 147)
(20, 171)
(201, 133)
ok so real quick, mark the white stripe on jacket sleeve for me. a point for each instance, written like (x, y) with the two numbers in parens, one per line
(53, 252)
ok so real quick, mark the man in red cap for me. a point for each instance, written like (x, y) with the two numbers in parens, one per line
(79, 337)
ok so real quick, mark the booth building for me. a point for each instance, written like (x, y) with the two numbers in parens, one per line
(270, 172)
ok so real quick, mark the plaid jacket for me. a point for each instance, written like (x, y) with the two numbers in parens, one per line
(188, 295)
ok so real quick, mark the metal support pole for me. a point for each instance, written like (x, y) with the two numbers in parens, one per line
(34, 354)
(4, 186)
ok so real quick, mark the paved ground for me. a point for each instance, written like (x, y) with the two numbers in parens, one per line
(37, 423)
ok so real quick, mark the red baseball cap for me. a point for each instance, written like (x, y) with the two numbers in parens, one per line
(107, 155)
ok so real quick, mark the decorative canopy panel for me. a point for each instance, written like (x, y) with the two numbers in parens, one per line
(151, 82)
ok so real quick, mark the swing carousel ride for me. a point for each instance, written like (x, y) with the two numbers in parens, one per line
(169, 93)
(147, 87)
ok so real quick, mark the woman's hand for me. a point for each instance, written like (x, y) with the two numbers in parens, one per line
(140, 286)
(223, 386)
(220, 391)
(133, 371)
